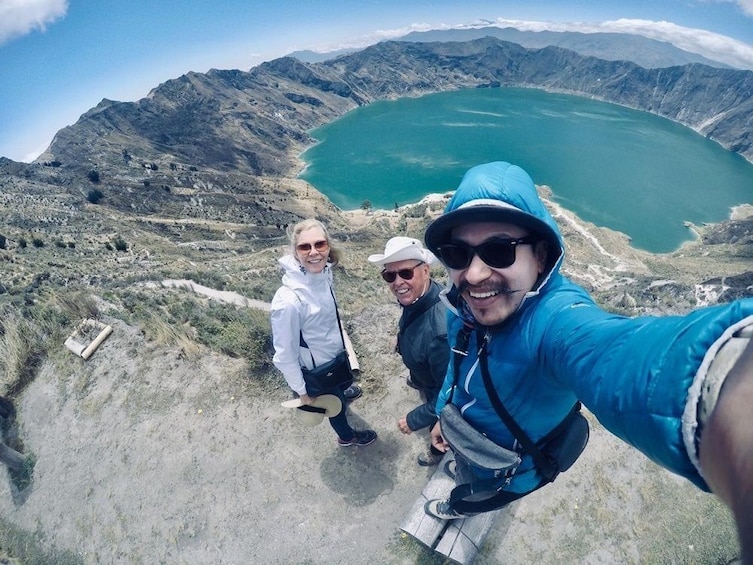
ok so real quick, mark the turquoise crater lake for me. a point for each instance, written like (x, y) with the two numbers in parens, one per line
(627, 170)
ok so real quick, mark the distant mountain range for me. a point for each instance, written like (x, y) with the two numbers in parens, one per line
(648, 53)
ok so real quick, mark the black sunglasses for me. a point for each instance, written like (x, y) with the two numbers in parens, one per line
(320, 245)
(405, 274)
(496, 252)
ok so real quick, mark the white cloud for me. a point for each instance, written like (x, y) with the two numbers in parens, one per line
(19, 17)
(712, 45)
(746, 6)
(709, 44)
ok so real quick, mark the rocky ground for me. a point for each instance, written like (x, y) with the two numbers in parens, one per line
(146, 456)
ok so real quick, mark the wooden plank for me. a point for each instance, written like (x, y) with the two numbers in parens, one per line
(418, 523)
(458, 540)
(463, 538)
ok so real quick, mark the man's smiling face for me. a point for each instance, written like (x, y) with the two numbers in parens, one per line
(494, 294)
(407, 291)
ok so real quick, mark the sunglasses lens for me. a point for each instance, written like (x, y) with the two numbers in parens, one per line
(497, 254)
(405, 274)
(456, 256)
(389, 276)
(320, 245)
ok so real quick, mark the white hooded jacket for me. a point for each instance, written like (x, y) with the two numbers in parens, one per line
(304, 303)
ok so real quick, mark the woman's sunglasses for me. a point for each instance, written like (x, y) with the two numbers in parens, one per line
(320, 245)
(405, 274)
(496, 252)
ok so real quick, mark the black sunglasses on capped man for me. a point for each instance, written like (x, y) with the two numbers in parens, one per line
(496, 252)
(405, 274)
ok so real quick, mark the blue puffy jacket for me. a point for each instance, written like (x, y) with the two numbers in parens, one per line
(633, 374)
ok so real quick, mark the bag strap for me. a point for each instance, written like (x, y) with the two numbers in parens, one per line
(546, 465)
(459, 351)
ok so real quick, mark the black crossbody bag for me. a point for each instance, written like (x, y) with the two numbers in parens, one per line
(331, 375)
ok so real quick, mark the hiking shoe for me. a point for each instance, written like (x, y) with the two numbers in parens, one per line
(449, 468)
(411, 384)
(441, 509)
(352, 392)
(362, 438)
(429, 458)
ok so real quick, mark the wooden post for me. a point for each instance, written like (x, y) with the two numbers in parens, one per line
(354, 366)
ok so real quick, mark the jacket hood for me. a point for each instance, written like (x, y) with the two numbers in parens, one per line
(498, 192)
(295, 275)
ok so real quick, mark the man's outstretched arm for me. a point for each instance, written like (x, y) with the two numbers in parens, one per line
(726, 449)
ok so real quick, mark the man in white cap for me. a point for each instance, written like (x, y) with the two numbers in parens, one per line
(422, 330)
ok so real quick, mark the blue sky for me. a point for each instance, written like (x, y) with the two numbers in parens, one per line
(59, 58)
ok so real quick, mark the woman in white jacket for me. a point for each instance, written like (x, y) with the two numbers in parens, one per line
(305, 306)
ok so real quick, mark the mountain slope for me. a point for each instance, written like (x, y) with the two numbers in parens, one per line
(256, 122)
(648, 53)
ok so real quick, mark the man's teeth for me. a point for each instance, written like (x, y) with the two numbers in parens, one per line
(402, 290)
(480, 295)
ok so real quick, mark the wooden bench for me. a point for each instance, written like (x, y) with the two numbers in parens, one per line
(458, 540)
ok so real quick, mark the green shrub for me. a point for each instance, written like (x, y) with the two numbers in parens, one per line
(120, 244)
(95, 195)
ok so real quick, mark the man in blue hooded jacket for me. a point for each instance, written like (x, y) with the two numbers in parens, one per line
(543, 346)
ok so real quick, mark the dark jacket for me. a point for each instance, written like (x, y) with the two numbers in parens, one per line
(422, 342)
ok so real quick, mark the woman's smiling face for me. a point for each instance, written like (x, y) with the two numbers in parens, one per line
(312, 250)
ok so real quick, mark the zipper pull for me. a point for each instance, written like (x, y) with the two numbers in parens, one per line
(461, 344)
